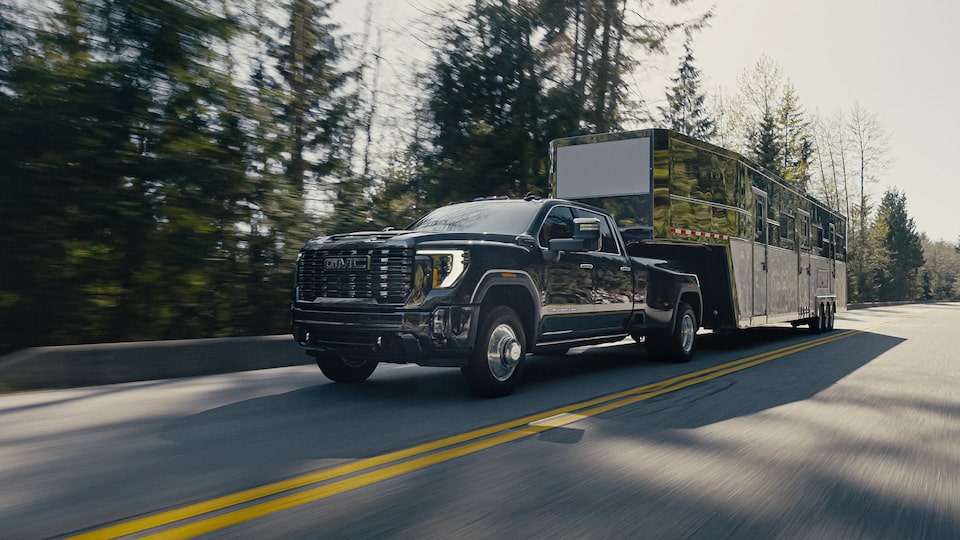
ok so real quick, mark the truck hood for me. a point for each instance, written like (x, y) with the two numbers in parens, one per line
(401, 239)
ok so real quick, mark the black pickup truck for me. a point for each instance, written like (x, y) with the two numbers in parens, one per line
(478, 285)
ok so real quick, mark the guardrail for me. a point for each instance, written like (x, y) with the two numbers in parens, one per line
(108, 363)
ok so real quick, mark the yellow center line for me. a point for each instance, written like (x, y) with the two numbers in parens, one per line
(397, 463)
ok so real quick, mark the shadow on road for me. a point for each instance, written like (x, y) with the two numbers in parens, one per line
(401, 407)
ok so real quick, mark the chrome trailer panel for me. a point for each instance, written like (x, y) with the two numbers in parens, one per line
(785, 250)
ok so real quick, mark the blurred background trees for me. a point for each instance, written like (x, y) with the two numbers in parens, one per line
(162, 161)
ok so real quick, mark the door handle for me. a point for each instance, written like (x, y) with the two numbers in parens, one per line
(625, 269)
(586, 266)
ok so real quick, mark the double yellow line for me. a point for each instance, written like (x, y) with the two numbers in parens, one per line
(251, 504)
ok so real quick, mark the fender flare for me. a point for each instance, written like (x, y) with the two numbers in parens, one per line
(510, 278)
(697, 309)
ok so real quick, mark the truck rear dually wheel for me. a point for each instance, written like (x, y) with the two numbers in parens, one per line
(345, 370)
(496, 364)
(681, 343)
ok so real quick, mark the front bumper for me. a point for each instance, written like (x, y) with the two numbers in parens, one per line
(442, 337)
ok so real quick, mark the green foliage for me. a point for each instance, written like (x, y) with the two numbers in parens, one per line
(778, 135)
(509, 76)
(162, 161)
(144, 194)
(591, 48)
(485, 101)
(314, 114)
(865, 272)
(795, 140)
(940, 273)
(396, 203)
(685, 111)
(764, 146)
(902, 243)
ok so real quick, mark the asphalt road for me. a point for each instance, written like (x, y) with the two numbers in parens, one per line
(767, 433)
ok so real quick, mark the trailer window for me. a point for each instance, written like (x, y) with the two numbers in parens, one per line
(805, 231)
(761, 221)
(788, 230)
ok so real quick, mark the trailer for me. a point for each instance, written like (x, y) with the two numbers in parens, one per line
(763, 252)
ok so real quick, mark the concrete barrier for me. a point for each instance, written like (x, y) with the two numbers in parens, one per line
(108, 363)
(89, 365)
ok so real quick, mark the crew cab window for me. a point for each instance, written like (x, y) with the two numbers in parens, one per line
(608, 242)
(558, 224)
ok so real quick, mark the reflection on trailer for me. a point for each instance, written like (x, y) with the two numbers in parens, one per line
(764, 253)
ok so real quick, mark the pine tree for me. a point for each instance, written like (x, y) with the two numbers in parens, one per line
(761, 88)
(685, 111)
(314, 107)
(765, 147)
(591, 48)
(796, 140)
(135, 203)
(484, 90)
(902, 242)
(940, 274)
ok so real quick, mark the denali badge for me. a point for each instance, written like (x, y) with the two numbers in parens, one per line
(346, 263)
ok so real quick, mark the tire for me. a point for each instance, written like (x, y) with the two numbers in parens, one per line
(817, 323)
(680, 345)
(831, 314)
(345, 370)
(496, 363)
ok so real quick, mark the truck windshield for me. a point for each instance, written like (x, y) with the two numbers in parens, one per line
(498, 217)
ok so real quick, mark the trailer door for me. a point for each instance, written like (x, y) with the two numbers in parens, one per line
(803, 259)
(760, 241)
(832, 251)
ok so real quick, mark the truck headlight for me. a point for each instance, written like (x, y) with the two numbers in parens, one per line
(446, 266)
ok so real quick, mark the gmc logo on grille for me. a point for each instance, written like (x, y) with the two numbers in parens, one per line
(346, 263)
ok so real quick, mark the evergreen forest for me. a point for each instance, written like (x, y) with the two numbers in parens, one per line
(163, 161)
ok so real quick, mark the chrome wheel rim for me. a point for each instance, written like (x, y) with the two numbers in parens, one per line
(687, 333)
(503, 352)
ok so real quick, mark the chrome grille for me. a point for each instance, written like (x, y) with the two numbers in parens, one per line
(387, 281)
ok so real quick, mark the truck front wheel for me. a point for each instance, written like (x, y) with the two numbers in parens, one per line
(345, 370)
(680, 344)
(496, 364)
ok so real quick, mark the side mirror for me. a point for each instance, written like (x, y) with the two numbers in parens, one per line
(586, 237)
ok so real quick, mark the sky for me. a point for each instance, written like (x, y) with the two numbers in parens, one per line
(899, 59)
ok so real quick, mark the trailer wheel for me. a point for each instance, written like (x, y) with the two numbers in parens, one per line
(345, 370)
(679, 345)
(496, 364)
(817, 322)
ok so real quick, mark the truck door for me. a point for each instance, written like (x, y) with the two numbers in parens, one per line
(803, 260)
(567, 282)
(760, 241)
(612, 279)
